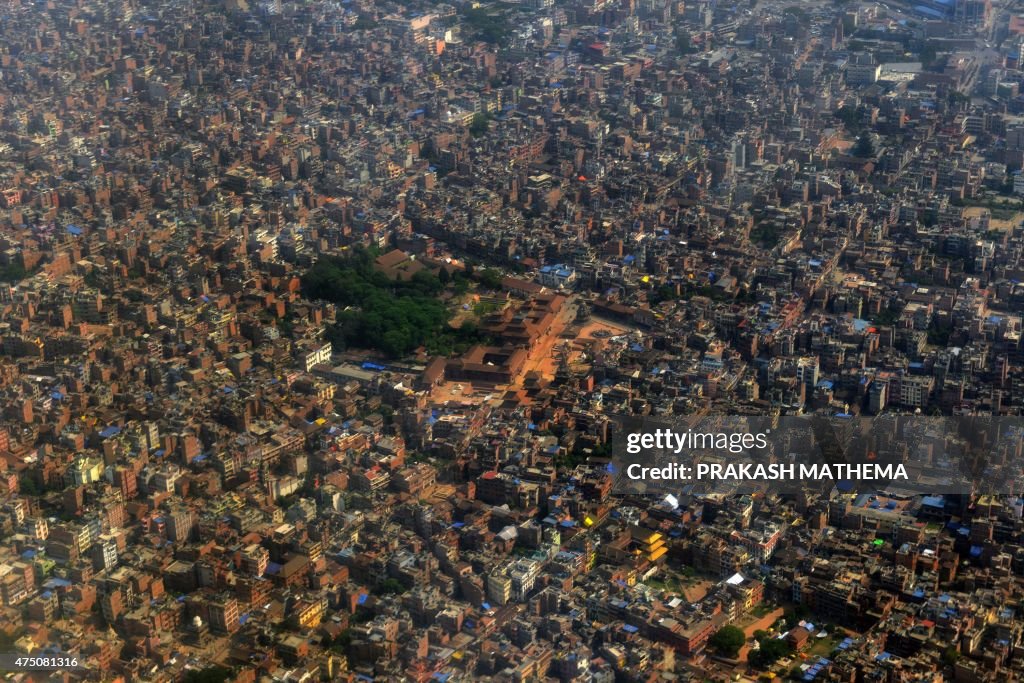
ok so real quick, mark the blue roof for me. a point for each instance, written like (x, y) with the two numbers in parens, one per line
(112, 430)
(74, 229)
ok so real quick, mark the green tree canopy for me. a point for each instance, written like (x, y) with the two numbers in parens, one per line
(728, 640)
(390, 587)
(212, 674)
(769, 651)
(490, 278)
(479, 124)
(392, 316)
(864, 148)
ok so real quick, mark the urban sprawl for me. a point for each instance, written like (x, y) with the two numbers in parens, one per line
(315, 318)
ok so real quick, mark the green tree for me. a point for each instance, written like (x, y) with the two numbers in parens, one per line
(684, 45)
(486, 24)
(211, 674)
(339, 643)
(769, 651)
(950, 655)
(864, 148)
(929, 54)
(792, 617)
(728, 640)
(27, 485)
(13, 273)
(479, 125)
(390, 587)
(490, 278)
(851, 118)
(364, 23)
(957, 99)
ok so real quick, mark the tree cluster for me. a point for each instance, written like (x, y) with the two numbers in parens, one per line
(392, 316)
(769, 650)
(728, 640)
(487, 25)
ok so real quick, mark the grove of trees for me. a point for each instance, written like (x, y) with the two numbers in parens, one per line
(728, 640)
(392, 316)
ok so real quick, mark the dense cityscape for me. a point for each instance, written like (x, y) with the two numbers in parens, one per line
(317, 322)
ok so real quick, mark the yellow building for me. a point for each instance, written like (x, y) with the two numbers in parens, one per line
(651, 544)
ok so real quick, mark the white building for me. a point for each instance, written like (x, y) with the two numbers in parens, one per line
(557, 276)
